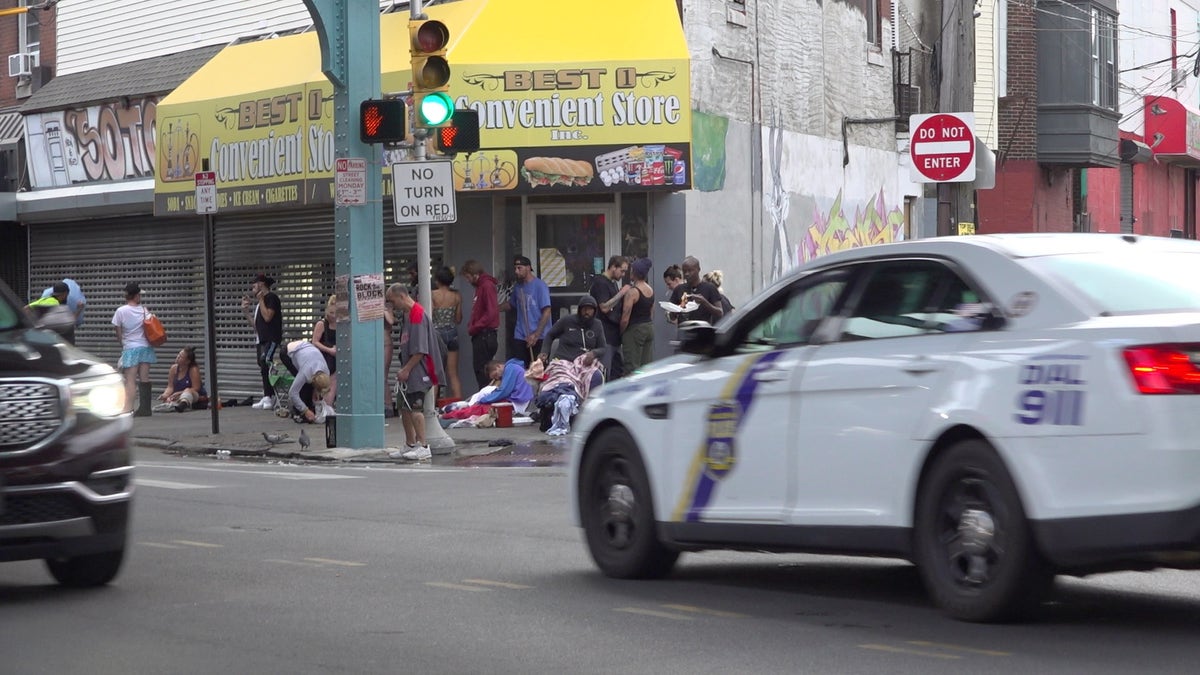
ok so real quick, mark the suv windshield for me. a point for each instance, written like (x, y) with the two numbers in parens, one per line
(1128, 283)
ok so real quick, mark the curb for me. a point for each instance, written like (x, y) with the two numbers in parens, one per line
(264, 452)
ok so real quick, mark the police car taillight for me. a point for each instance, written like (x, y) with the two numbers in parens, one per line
(1165, 369)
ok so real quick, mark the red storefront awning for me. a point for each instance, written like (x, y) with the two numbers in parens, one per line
(1172, 130)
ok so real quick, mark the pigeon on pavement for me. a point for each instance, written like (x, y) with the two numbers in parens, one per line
(304, 442)
(275, 438)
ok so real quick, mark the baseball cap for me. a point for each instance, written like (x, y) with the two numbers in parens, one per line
(522, 260)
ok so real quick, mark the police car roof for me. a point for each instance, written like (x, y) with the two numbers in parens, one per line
(1015, 245)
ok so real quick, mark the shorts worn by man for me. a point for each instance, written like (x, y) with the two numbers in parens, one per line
(421, 371)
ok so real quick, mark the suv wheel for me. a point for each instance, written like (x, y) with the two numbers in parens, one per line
(973, 544)
(86, 571)
(617, 512)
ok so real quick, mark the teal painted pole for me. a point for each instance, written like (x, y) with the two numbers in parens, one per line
(349, 35)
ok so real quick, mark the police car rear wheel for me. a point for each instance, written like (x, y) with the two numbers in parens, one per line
(616, 510)
(973, 543)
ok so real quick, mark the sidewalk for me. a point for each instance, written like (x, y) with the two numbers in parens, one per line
(242, 428)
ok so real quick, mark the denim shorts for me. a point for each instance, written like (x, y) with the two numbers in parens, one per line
(449, 335)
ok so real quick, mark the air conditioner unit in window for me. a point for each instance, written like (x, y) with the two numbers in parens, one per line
(21, 65)
(908, 100)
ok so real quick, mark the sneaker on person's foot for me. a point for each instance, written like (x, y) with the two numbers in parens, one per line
(400, 454)
(266, 403)
(418, 453)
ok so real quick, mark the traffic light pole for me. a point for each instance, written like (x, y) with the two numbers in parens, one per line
(349, 36)
(439, 441)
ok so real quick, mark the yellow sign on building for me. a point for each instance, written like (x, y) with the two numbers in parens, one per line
(565, 107)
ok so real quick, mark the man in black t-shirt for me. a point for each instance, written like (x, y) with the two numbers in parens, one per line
(701, 292)
(263, 310)
(607, 291)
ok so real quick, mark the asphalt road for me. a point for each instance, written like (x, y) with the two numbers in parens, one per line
(276, 568)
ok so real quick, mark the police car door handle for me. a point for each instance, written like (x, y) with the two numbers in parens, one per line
(771, 375)
(919, 365)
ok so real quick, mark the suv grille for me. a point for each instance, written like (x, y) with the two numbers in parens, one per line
(22, 509)
(29, 413)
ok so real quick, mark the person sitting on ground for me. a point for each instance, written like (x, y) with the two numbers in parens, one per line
(185, 387)
(565, 387)
(513, 387)
(578, 334)
(312, 382)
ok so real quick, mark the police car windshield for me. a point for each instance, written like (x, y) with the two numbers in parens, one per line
(1130, 282)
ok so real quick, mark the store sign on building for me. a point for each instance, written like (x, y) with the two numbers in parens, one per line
(554, 127)
(106, 142)
(1172, 130)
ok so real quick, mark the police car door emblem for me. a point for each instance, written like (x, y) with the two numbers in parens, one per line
(720, 453)
(1021, 304)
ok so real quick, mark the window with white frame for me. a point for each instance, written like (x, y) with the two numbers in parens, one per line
(31, 31)
(1104, 59)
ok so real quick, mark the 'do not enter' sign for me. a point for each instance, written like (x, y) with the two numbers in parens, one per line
(942, 147)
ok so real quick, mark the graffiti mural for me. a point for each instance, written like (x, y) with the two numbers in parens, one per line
(833, 231)
(110, 141)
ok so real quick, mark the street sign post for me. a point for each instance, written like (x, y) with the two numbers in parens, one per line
(206, 192)
(350, 181)
(423, 192)
(942, 148)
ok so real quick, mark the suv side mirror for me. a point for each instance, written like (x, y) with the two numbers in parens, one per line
(697, 337)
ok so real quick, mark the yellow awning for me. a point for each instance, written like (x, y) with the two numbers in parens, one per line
(594, 88)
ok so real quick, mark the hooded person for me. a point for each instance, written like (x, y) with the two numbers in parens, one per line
(578, 334)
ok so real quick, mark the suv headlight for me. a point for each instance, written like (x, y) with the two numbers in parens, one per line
(99, 396)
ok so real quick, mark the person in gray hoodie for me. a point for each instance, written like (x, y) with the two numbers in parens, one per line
(578, 334)
(311, 383)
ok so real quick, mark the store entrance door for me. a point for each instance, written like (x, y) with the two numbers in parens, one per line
(569, 245)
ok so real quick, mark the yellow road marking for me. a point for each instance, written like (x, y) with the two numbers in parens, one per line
(709, 612)
(457, 587)
(501, 584)
(959, 648)
(343, 563)
(199, 544)
(291, 562)
(654, 613)
(155, 544)
(913, 652)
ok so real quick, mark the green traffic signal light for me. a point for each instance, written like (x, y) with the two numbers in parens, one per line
(435, 109)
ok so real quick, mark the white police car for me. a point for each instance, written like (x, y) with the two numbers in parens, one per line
(997, 409)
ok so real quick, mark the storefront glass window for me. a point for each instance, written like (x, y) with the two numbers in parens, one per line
(635, 225)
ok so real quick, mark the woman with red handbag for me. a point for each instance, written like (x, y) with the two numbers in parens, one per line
(136, 352)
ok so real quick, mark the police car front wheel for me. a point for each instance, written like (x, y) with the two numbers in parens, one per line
(617, 511)
(972, 541)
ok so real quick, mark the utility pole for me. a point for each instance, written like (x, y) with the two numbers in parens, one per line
(956, 93)
(349, 35)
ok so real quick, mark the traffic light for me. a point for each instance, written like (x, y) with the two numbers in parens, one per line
(461, 135)
(432, 106)
(382, 121)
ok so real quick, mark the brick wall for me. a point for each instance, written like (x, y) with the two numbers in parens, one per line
(9, 41)
(1027, 198)
(1017, 111)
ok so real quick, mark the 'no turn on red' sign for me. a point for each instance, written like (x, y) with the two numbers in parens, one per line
(942, 147)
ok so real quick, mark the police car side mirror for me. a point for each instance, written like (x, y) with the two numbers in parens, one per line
(697, 337)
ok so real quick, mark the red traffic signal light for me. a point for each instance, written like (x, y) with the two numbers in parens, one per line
(461, 135)
(382, 121)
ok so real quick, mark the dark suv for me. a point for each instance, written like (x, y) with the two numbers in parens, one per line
(66, 472)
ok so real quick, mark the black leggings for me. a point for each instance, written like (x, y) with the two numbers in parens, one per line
(266, 355)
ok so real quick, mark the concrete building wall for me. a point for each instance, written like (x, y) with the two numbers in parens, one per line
(771, 88)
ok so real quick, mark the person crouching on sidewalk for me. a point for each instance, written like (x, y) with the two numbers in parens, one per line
(312, 381)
